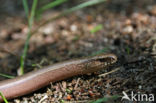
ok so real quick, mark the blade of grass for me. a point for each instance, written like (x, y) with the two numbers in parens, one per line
(26, 8)
(5, 100)
(128, 50)
(83, 5)
(30, 23)
(50, 5)
(100, 51)
(78, 7)
(32, 14)
(96, 28)
(105, 99)
(7, 76)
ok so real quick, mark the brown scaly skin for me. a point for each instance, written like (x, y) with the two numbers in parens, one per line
(35, 80)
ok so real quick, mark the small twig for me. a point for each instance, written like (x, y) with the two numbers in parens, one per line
(77, 82)
(80, 101)
(61, 87)
(152, 38)
(44, 98)
(109, 72)
(152, 54)
(3, 49)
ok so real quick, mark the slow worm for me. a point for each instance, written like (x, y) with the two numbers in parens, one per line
(35, 80)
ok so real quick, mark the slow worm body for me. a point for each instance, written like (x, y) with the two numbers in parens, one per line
(34, 80)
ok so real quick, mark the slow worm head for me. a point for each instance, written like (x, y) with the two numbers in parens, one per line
(98, 62)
